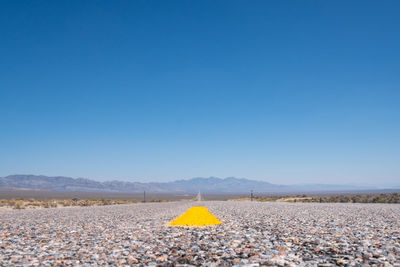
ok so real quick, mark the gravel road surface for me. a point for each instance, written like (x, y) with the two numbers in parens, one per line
(252, 234)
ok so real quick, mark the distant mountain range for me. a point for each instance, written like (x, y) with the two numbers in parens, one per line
(205, 185)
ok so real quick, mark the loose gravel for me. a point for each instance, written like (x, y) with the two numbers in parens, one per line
(252, 234)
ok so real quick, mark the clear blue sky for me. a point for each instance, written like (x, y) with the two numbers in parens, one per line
(282, 91)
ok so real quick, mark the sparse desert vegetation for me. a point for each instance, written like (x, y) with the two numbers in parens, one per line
(340, 198)
(20, 203)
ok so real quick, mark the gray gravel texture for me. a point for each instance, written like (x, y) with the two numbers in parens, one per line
(253, 234)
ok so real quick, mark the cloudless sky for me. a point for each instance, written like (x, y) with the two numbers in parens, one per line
(281, 91)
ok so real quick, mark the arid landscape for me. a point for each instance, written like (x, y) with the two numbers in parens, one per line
(199, 133)
(252, 233)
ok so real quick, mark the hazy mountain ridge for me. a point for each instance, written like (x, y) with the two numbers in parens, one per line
(206, 185)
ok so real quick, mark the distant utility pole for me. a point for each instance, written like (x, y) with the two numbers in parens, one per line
(144, 196)
(251, 195)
